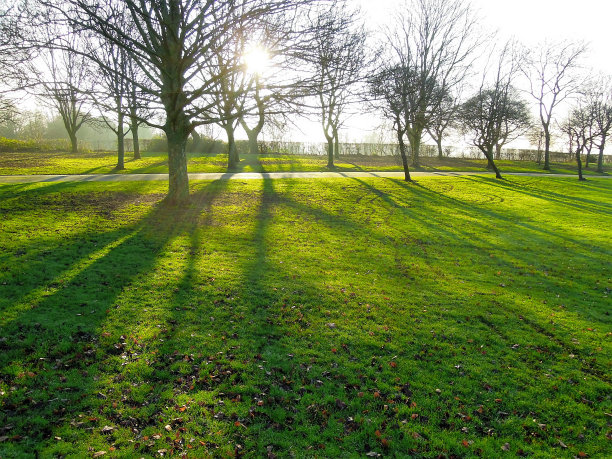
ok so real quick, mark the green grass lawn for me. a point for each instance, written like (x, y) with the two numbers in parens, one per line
(315, 318)
(105, 162)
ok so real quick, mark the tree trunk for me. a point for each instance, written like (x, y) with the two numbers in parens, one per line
(588, 157)
(74, 144)
(252, 134)
(602, 145)
(178, 180)
(579, 161)
(135, 138)
(232, 154)
(402, 147)
(414, 139)
(330, 152)
(120, 143)
(546, 149)
(439, 145)
(336, 143)
(489, 154)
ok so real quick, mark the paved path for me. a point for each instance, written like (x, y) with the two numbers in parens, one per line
(249, 176)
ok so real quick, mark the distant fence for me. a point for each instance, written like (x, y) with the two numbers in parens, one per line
(350, 149)
(373, 149)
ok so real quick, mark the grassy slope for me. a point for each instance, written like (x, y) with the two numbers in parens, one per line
(319, 318)
(104, 163)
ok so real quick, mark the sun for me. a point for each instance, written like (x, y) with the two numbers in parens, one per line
(257, 60)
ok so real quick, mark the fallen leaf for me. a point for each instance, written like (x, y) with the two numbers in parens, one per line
(107, 429)
(506, 447)
(99, 453)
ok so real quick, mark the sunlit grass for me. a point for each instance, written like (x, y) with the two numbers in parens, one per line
(104, 163)
(310, 317)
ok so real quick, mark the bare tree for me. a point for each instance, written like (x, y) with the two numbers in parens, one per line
(495, 114)
(113, 91)
(443, 119)
(600, 101)
(338, 58)
(579, 129)
(173, 42)
(61, 78)
(230, 88)
(389, 89)
(535, 135)
(552, 77)
(138, 106)
(13, 49)
(435, 41)
(515, 124)
(280, 80)
(13, 54)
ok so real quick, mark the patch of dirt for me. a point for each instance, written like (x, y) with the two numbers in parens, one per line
(102, 203)
(22, 160)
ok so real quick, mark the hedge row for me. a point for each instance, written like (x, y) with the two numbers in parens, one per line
(14, 145)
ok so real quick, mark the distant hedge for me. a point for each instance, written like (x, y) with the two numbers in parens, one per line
(14, 145)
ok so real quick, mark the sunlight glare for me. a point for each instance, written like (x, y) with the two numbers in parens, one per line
(257, 60)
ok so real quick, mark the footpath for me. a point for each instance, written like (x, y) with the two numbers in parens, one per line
(256, 176)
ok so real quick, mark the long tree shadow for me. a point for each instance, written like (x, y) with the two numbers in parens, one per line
(33, 261)
(243, 355)
(52, 352)
(487, 214)
(573, 201)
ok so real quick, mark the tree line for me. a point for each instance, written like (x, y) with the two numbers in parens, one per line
(181, 65)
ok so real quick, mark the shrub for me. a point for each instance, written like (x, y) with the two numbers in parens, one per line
(14, 145)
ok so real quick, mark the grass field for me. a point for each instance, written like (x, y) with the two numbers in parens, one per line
(309, 318)
(104, 163)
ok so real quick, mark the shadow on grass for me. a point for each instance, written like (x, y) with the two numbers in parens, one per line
(576, 202)
(231, 363)
(57, 333)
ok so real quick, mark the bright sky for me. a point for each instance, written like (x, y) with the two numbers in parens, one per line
(532, 21)
(529, 21)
